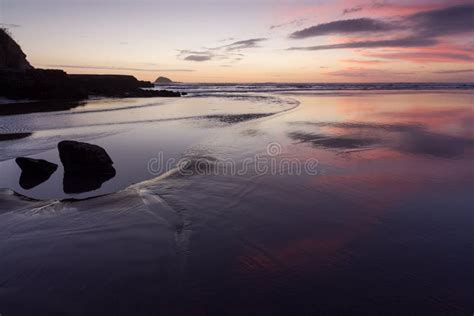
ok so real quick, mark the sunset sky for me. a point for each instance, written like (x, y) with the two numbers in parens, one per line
(249, 40)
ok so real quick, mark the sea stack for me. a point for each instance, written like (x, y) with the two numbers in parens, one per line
(163, 80)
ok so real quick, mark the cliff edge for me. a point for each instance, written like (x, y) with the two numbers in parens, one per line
(20, 80)
(11, 55)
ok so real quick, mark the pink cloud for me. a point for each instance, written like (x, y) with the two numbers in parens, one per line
(426, 56)
(364, 62)
(366, 72)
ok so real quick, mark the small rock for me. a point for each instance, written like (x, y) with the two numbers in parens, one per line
(35, 165)
(78, 156)
(34, 171)
(86, 166)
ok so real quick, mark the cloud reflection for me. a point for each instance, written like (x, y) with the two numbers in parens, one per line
(405, 138)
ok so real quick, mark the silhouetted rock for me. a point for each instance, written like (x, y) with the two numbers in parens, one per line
(145, 84)
(161, 93)
(19, 80)
(86, 166)
(35, 165)
(39, 84)
(34, 171)
(11, 55)
(78, 156)
(163, 80)
(118, 86)
(108, 85)
(46, 84)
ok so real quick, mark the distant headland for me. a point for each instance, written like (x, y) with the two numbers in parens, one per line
(20, 80)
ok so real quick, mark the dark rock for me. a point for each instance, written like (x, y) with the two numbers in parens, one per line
(118, 86)
(160, 93)
(48, 84)
(34, 171)
(86, 166)
(145, 84)
(35, 165)
(11, 55)
(108, 85)
(163, 80)
(40, 84)
(78, 156)
(19, 80)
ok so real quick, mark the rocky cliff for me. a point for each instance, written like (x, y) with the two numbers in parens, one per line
(51, 84)
(11, 55)
(19, 80)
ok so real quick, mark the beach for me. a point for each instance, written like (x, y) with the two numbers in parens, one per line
(275, 199)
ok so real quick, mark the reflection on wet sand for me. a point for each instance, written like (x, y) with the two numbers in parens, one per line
(413, 139)
(326, 141)
(386, 221)
(80, 182)
(74, 183)
(13, 136)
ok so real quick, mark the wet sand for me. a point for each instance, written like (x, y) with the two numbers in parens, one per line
(382, 224)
